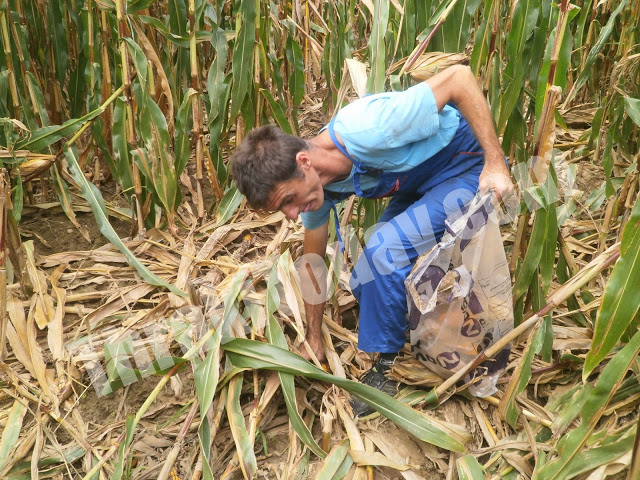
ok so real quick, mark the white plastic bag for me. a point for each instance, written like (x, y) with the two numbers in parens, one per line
(459, 298)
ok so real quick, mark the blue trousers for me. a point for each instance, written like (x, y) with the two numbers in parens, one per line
(412, 223)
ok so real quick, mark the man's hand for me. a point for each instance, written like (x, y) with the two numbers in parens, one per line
(315, 246)
(495, 177)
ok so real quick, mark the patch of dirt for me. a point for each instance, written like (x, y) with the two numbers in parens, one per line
(53, 232)
(589, 177)
(102, 410)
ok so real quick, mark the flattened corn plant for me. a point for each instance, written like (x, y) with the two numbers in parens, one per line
(151, 96)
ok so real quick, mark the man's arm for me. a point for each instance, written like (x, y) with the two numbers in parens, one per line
(458, 85)
(315, 242)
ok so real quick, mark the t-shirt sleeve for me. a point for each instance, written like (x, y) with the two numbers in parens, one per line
(317, 218)
(391, 119)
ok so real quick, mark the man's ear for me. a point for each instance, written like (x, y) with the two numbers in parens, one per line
(303, 160)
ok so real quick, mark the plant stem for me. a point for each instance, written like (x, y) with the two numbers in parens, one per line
(420, 49)
(126, 74)
(7, 53)
(4, 192)
(196, 110)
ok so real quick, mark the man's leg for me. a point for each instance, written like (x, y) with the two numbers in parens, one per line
(388, 257)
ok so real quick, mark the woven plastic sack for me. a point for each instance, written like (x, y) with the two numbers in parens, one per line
(459, 298)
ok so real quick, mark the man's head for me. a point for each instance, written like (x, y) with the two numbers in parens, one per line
(273, 170)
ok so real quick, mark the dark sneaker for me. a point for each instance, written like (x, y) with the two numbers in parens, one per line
(375, 377)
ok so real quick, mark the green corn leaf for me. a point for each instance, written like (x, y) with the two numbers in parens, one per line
(344, 468)
(17, 199)
(521, 376)
(207, 372)
(219, 93)
(540, 39)
(242, 62)
(53, 464)
(121, 468)
(460, 22)
(228, 205)
(277, 112)
(170, 35)
(538, 302)
(46, 136)
(122, 168)
(482, 42)
(587, 67)
(160, 166)
(134, 6)
(77, 87)
(334, 460)
(253, 354)
(140, 62)
(607, 154)
(525, 18)
(93, 196)
(592, 458)
(277, 338)
(469, 468)
(548, 255)
(11, 431)
(572, 443)
(204, 437)
(64, 195)
(4, 113)
(585, 14)
(377, 49)
(296, 65)
(562, 66)
(533, 255)
(243, 441)
(621, 301)
(183, 128)
(441, 13)
(178, 16)
(57, 26)
(215, 77)
(632, 107)
(511, 97)
(40, 105)
(571, 403)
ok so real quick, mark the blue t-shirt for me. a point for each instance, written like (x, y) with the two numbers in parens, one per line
(392, 132)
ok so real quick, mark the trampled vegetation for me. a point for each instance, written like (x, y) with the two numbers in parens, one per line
(164, 354)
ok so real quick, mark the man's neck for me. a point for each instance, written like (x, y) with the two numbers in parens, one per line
(330, 163)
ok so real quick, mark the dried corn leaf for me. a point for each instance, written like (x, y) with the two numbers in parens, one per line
(17, 333)
(392, 451)
(430, 63)
(244, 443)
(120, 300)
(362, 458)
(43, 305)
(55, 329)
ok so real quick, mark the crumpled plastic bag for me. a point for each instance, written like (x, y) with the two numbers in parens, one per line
(459, 298)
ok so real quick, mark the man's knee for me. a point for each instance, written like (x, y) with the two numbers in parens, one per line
(383, 254)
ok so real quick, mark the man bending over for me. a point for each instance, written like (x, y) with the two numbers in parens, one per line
(430, 148)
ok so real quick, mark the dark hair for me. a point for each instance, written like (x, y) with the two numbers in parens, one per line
(266, 157)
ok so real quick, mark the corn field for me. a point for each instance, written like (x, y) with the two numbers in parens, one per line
(167, 348)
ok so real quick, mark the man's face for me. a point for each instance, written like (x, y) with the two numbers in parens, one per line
(297, 195)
